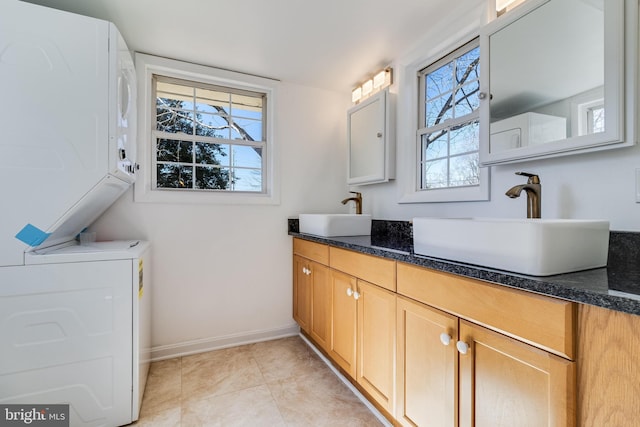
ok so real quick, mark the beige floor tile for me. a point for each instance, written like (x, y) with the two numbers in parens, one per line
(285, 358)
(219, 372)
(167, 417)
(249, 407)
(163, 389)
(320, 399)
(271, 384)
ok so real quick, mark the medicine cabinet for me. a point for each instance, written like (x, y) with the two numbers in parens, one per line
(561, 79)
(371, 140)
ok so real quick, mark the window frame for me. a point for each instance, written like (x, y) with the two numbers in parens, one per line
(148, 66)
(580, 108)
(195, 139)
(411, 191)
(448, 124)
(586, 120)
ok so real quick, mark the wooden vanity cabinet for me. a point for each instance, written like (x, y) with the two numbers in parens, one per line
(376, 346)
(344, 319)
(372, 269)
(433, 348)
(301, 293)
(427, 370)
(363, 331)
(311, 290)
(467, 362)
(351, 319)
(507, 383)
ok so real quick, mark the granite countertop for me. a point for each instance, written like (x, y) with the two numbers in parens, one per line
(616, 287)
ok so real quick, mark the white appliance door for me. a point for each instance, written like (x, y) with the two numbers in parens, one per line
(79, 216)
(66, 337)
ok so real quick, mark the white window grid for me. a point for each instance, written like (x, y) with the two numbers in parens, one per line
(180, 136)
(448, 123)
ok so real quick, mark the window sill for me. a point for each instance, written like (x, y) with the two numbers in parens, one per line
(191, 197)
(462, 194)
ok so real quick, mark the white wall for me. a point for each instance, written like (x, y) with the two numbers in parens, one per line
(222, 274)
(597, 186)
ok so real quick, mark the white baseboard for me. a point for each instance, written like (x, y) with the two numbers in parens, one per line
(342, 378)
(208, 344)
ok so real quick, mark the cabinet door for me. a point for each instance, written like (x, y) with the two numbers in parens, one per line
(369, 140)
(320, 304)
(376, 343)
(301, 293)
(343, 321)
(506, 383)
(427, 368)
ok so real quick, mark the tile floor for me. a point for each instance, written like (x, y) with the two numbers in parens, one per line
(273, 383)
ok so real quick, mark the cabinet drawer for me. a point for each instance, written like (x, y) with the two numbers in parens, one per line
(376, 270)
(311, 250)
(539, 320)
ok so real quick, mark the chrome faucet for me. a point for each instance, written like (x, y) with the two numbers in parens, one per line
(534, 193)
(357, 199)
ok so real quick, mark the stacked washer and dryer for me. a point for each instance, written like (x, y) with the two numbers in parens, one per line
(74, 318)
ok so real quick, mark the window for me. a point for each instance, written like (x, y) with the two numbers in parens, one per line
(205, 135)
(595, 118)
(591, 117)
(448, 134)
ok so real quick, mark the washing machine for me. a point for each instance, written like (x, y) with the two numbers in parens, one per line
(75, 329)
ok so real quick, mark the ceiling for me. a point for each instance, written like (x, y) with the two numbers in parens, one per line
(329, 44)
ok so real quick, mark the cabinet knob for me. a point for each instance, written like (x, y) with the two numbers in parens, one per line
(462, 347)
(379, 134)
(356, 295)
(349, 292)
(445, 338)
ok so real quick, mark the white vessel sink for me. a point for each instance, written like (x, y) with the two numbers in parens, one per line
(537, 247)
(332, 225)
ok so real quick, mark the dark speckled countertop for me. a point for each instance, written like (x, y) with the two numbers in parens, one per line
(616, 287)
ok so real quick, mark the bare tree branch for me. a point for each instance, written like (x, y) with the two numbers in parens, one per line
(448, 104)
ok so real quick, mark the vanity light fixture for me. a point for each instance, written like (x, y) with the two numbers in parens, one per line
(356, 95)
(381, 78)
(379, 81)
(367, 88)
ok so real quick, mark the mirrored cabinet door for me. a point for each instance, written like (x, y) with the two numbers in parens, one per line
(370, 140)
(560, 81)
